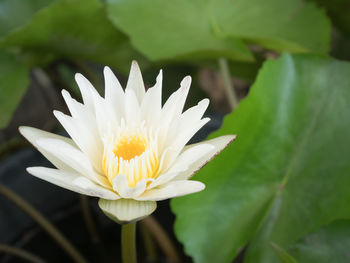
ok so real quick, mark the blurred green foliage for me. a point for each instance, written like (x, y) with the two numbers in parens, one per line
(15, 13)
(14, 78)
(288, 171)
(164, 30)
(45, 31)
(283, 255)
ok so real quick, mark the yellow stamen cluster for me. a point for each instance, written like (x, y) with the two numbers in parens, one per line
(131, 155)
(130, 147)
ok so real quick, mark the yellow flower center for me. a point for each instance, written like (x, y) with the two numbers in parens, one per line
(131, 155)
(130, 147)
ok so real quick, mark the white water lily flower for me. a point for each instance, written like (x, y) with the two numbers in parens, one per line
(126, 148)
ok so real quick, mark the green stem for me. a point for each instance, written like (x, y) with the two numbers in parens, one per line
(230, 91)
(129, 243)
(43, 222)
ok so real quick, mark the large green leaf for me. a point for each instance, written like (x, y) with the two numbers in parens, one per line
(15, 13)
(72, 29)
(338, 11)
(287, 173)
(283, 254)
(14, 79)
(180, 28)
(328, 244)
(162, 30)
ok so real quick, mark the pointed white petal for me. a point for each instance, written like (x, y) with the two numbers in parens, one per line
(132, 107)
(219, 144)
(113, 89)
(114, 93)
(186, 125)
(72, 157)
(176, 102)
(152, 102)
(171, 112)
(182, 139)
(85, 136)
(193, 114)
(105, 115)
(76, 109)
(86, 89)
(172, 189)
(72, 181)
(120, 185)
(135, 81)
(183, 163)
(125, 211)
(33, 134)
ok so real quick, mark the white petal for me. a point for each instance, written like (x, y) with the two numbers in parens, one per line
(219, 144)
(193, 114)
(152, 102)
(114, 93)
(176, 102)
(132, 107)
(73, 158)
(90, 120)
(182, 139)
(72, 181)
(105, 115)
(33, 134)
(86, 89)
(172, 189)
(135, 82)
(127, 210)
(183, 163)
(85, 136)
(171, 111)
(120, 185)
(186, 125)
(76, 109)
(113, 89)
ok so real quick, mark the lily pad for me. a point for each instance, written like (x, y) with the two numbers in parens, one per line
(72, 30)
(286, 175)
(210, 29)
(14, 80)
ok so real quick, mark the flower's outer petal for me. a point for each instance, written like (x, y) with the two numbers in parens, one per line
(183, 163)
(113, 89)
(120, 185)
(171, 111)
(135, 82)
(181, 123)
(179, 143)
(72, 181)
(86, 89)
(85, 136)
(88, 119)
(152, 102)
(172, 189)
(114, 93)
(219, 144)
(174, 105)
(132, 108)
(73, 158)
(33, 134)
(125, 211)
(192, 115)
